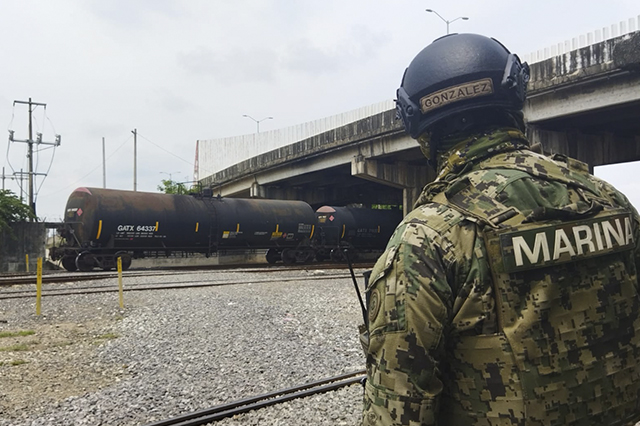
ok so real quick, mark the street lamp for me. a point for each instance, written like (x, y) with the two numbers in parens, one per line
(464, 18)
(257, 121)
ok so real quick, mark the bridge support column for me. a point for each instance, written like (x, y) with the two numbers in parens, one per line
(411, 179)
(257, 191)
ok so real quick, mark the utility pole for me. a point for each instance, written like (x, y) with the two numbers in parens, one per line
(19, 176)
(30, 143)
(135, 159)
(104, 166)
(21, 188)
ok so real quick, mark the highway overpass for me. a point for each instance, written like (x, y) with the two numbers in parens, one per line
(583, 102)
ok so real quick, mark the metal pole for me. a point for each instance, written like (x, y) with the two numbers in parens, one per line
(32, 204)
(30, 156)
(104, 166)
(3, 178)
(135, 159)
(21, 188)
(257, 121)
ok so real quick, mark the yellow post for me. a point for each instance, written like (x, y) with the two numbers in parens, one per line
(27, 261)
(120, 282)
(39, 287)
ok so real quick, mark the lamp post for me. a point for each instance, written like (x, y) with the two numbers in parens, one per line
(464, 18)
(257, 121)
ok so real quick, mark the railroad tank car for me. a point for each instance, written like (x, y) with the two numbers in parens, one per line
(360, 229)
(103, 224)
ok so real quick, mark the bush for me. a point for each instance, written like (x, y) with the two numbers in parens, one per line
(12, 209)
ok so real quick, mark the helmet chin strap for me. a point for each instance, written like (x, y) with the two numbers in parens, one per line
(429, 150)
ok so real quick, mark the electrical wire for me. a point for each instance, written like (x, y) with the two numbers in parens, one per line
(37, 191)
(91, 171)
(35, 195)
(13, 114)
(52, 126)
(169, 152)
(37, 157)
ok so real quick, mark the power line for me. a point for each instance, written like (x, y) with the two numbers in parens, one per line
(168, 152)
(91, 171)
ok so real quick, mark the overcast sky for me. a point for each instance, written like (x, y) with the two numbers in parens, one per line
(178, 71)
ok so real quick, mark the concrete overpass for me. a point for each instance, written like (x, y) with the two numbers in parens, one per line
(584, 103)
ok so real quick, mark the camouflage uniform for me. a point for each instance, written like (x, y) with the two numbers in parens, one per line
(478, 316)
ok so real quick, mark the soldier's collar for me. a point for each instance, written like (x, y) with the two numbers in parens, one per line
(476, 147)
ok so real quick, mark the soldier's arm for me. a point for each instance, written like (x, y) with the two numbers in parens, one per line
(409, 307)
(622, 200)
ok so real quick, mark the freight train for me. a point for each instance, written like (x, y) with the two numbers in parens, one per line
(101, 225)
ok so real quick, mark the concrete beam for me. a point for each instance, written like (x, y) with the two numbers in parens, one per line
(593, 149)
(601, 75)
(231, 182)
(581, 98)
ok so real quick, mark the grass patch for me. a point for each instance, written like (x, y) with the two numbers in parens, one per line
(16, 333)
(107, 336)
(18, 362)
(15, 348)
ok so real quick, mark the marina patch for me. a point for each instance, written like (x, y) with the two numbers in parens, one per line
(565, 242)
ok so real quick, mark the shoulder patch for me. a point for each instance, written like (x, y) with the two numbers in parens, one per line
(374, 304)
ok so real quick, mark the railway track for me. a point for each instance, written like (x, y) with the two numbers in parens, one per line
(219, 412)
(63, 277)
(111, 288)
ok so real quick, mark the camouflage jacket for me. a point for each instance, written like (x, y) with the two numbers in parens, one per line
(458, 338)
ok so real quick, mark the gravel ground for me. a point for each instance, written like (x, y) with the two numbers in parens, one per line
(170, 352)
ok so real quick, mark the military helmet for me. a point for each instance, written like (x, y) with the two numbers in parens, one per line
(458, 73)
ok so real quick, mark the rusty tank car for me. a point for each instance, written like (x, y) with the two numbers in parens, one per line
(101, 225)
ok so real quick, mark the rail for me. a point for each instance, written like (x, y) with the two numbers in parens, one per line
(108, 288)
(52, 278)
(219, 412)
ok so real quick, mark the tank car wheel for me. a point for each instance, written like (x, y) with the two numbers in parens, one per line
(69, 263)
(337, 255)
(289, 256)
(126, 259)
(322, 255)
(306, 255)
(273, 256)
(85, 261)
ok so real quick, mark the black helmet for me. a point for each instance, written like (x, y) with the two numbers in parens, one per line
(458, 73)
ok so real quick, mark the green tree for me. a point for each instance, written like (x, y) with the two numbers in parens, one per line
(172, 187)
(12, 209)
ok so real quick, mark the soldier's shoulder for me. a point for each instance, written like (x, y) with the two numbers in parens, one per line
(435, 216)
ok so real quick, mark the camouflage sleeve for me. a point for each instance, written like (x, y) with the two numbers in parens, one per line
(619, 198)
(409, 305)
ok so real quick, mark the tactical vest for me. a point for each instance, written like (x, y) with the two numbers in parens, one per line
(567, 351)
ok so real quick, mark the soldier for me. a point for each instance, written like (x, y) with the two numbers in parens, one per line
(509, 295)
